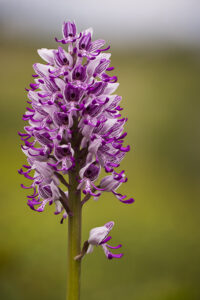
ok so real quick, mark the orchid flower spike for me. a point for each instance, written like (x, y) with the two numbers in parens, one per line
(99, 237)
(74, 124)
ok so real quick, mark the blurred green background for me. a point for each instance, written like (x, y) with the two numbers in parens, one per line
(159, 232)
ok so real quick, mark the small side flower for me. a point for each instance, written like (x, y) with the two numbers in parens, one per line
(99, 236)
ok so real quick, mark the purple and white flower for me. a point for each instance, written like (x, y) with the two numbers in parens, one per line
(99, 237)
(73, 119)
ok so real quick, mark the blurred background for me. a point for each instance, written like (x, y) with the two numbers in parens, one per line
(155, 49)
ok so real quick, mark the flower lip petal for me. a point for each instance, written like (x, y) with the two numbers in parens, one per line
(114, 247)
(111, 255)
(108, 238)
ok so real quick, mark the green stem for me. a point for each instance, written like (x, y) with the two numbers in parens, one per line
(74, 239)
(74, 220)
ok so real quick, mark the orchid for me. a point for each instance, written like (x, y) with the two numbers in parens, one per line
(99, 237)
(74, 131)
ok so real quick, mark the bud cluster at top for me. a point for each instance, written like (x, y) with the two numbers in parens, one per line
(73, 119)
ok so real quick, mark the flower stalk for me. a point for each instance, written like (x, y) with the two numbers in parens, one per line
(74, 242)
(74, 224)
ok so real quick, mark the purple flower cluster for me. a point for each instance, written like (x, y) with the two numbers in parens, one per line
(73, 119)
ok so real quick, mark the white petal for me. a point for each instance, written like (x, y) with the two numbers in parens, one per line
(111, 87)
(90, 249)
(89, 30)
(58, 206)
(60, 83)
(33, 96)
(104, 55)
(95, 145)
(92, 66)
(97, 235)
(47, 55)
(42, 70)
(55, 191)
(96, 45)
